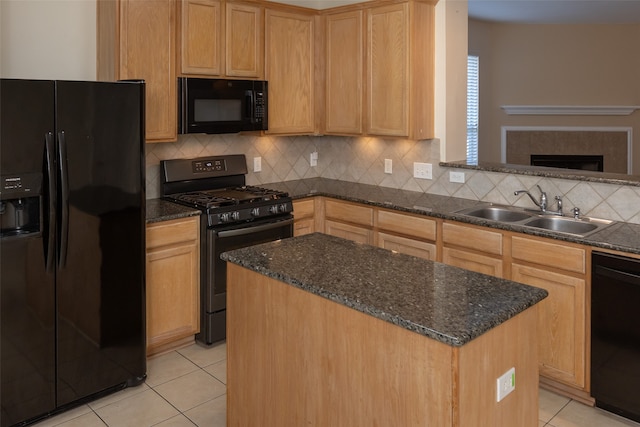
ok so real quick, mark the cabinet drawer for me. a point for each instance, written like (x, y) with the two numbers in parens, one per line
(171, 232)
(473, 261)
(549, 254)
(472, 238)
(349, 232)
(348, 212)
(303, 226)
(407, 246)
(422, 228)
(303, 208)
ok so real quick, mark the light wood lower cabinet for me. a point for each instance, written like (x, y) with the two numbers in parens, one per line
(562, 327)
(561, 324)
(348, 220)
(473, 248)
(173, 283)
(559, 267)
(348, 231)
(406, 233)
(303, 217)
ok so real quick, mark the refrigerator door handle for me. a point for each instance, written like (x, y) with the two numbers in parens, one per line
(64, 194)
(51, 197)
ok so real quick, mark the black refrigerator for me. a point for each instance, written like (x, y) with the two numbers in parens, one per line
(72, 244)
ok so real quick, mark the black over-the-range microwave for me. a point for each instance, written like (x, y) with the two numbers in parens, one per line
(221, 106)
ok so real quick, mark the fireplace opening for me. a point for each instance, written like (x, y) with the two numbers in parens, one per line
(588, 163)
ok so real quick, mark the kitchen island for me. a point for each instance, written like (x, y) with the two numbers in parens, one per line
(324, 331)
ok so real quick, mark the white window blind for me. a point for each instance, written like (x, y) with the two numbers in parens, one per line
(472, 108)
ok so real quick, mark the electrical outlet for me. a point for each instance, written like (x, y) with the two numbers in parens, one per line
(313, 159)
(422, 170)
(388, 166)
(257, 164)
(456, 177)
(506, 384)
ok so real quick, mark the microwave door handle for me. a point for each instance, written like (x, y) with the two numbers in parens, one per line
(249, 106)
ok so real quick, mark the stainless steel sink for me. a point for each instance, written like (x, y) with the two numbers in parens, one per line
(498, 213)
(535, 219)
(580, 227)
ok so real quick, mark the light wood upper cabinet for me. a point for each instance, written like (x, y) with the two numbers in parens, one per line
(136, 39)
(400, 70)
(244, 46)
(173, 283)
(201, 37)
(344, 68)
(289, 68)
(221, 39)
(388, 70)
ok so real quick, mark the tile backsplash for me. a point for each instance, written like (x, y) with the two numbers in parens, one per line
(362, 160)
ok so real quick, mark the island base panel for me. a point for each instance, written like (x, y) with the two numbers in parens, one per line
(295, 358)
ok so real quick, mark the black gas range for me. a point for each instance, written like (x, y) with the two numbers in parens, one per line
(234, 215)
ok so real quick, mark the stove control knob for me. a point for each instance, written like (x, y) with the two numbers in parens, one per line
(224, 217)
(283, 207)
(235, 216)
(273, 209)
(255, 212)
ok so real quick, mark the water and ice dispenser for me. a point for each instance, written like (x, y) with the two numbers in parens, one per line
(20, 199)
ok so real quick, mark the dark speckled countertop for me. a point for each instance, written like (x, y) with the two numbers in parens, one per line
(619, 236)
(161, 210)
(446, 303)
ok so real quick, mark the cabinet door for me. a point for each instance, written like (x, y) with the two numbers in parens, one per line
(561, 324)
(347, 231)
(303, 216)
(388, 70)
(173, 283)
(289, 53)
(407, 246)
(243, 45)
(147, 51)
(344, 59)
(201, 37)
(473, 261)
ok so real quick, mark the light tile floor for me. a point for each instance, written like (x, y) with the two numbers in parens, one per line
(187, 387)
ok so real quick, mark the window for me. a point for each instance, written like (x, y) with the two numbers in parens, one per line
(472, 109)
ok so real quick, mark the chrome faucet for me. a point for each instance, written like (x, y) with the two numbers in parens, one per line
(542, 204)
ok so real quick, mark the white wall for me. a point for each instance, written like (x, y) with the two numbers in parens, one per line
(48, 39)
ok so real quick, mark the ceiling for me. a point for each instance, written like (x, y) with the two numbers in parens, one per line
(556, 11)
(529, 11)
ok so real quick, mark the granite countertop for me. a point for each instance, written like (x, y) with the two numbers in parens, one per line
(445, 303)
(619, 236)
(162, 210)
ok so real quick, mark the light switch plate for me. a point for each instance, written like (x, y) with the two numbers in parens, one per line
(388, 166)
(313, 159)
(257, 164)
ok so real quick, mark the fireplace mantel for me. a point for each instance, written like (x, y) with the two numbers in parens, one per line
(570, 110)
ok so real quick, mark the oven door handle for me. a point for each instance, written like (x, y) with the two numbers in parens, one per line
(250, 230)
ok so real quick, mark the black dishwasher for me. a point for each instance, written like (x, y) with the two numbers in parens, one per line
(615, 334)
